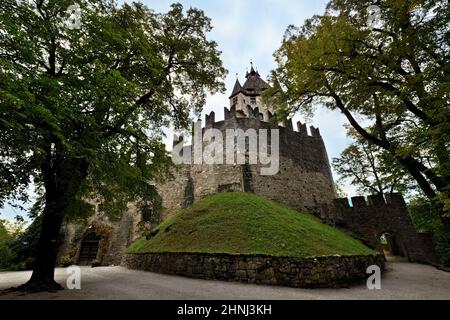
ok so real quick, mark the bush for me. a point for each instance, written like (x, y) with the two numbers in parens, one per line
(442, 241)
(6, 254)
(96, 263)
(25, 245)
(425, 216)
(66, 261)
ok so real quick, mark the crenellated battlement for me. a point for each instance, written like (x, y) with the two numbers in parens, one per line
(293, 142)
(210, 119)
(394, 199)
(370, 218)
(229, 114)
(238, 116)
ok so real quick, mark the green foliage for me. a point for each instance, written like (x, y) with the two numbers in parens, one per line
(66, 261)
(25, 246)
(425, 216)
(371, 169)
(10, 232)
(395, 76)
(442, 244)
(82, 111)
(6, 253)
(95, 264)
(340, 193)
(243, 223)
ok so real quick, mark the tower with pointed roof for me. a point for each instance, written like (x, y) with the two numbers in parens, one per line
(247, 98)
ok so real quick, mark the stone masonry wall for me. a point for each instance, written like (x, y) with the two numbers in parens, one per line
(321, 272)
(115, 236)
(369, 220)
(303, 182)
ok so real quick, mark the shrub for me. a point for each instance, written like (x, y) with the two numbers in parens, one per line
(66, 261)
(24, 246)
(425, 216)
(6, 254)
(96, 263)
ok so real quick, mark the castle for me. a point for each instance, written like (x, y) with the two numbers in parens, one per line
(304, 181)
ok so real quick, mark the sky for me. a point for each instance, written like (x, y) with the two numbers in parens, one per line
(251, 30)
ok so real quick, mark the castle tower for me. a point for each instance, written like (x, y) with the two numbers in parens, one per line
(247, 98)
(303, 181)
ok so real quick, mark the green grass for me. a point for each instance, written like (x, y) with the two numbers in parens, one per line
(242, 223)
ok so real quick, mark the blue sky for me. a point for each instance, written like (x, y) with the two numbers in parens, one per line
(248, 30)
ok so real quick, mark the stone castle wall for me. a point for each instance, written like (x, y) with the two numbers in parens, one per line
(115, 236)
(303, 182)
(320, 272)
(368, 220)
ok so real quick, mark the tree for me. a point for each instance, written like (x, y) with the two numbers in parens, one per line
(371, 168)
(395, 75)
(82, 109)
(339, 190)
(5, 251)
(10, 233)
(425, 216)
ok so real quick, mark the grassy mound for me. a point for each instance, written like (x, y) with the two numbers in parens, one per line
(242, 223)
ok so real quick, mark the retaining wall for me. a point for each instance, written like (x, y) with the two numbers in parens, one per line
(321, 272)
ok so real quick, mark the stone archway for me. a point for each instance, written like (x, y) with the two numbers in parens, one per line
(89, 248)
(391, 246)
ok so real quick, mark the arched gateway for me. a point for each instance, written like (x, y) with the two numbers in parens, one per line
(89, 249)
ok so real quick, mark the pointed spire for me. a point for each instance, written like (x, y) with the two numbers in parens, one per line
(254, 85)
(251, 69)
(237, 88)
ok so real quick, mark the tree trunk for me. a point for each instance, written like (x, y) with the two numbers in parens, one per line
(62, 182)
(43, 278)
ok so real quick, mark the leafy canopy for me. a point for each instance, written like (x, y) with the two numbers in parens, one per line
(82, 110)
(394, 76)
(371, 169)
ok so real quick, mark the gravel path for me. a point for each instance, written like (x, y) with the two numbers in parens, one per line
(401, 281)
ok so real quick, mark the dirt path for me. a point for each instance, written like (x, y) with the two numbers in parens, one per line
(401, 281)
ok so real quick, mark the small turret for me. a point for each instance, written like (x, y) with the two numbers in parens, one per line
(237, 89)
(248, 96)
